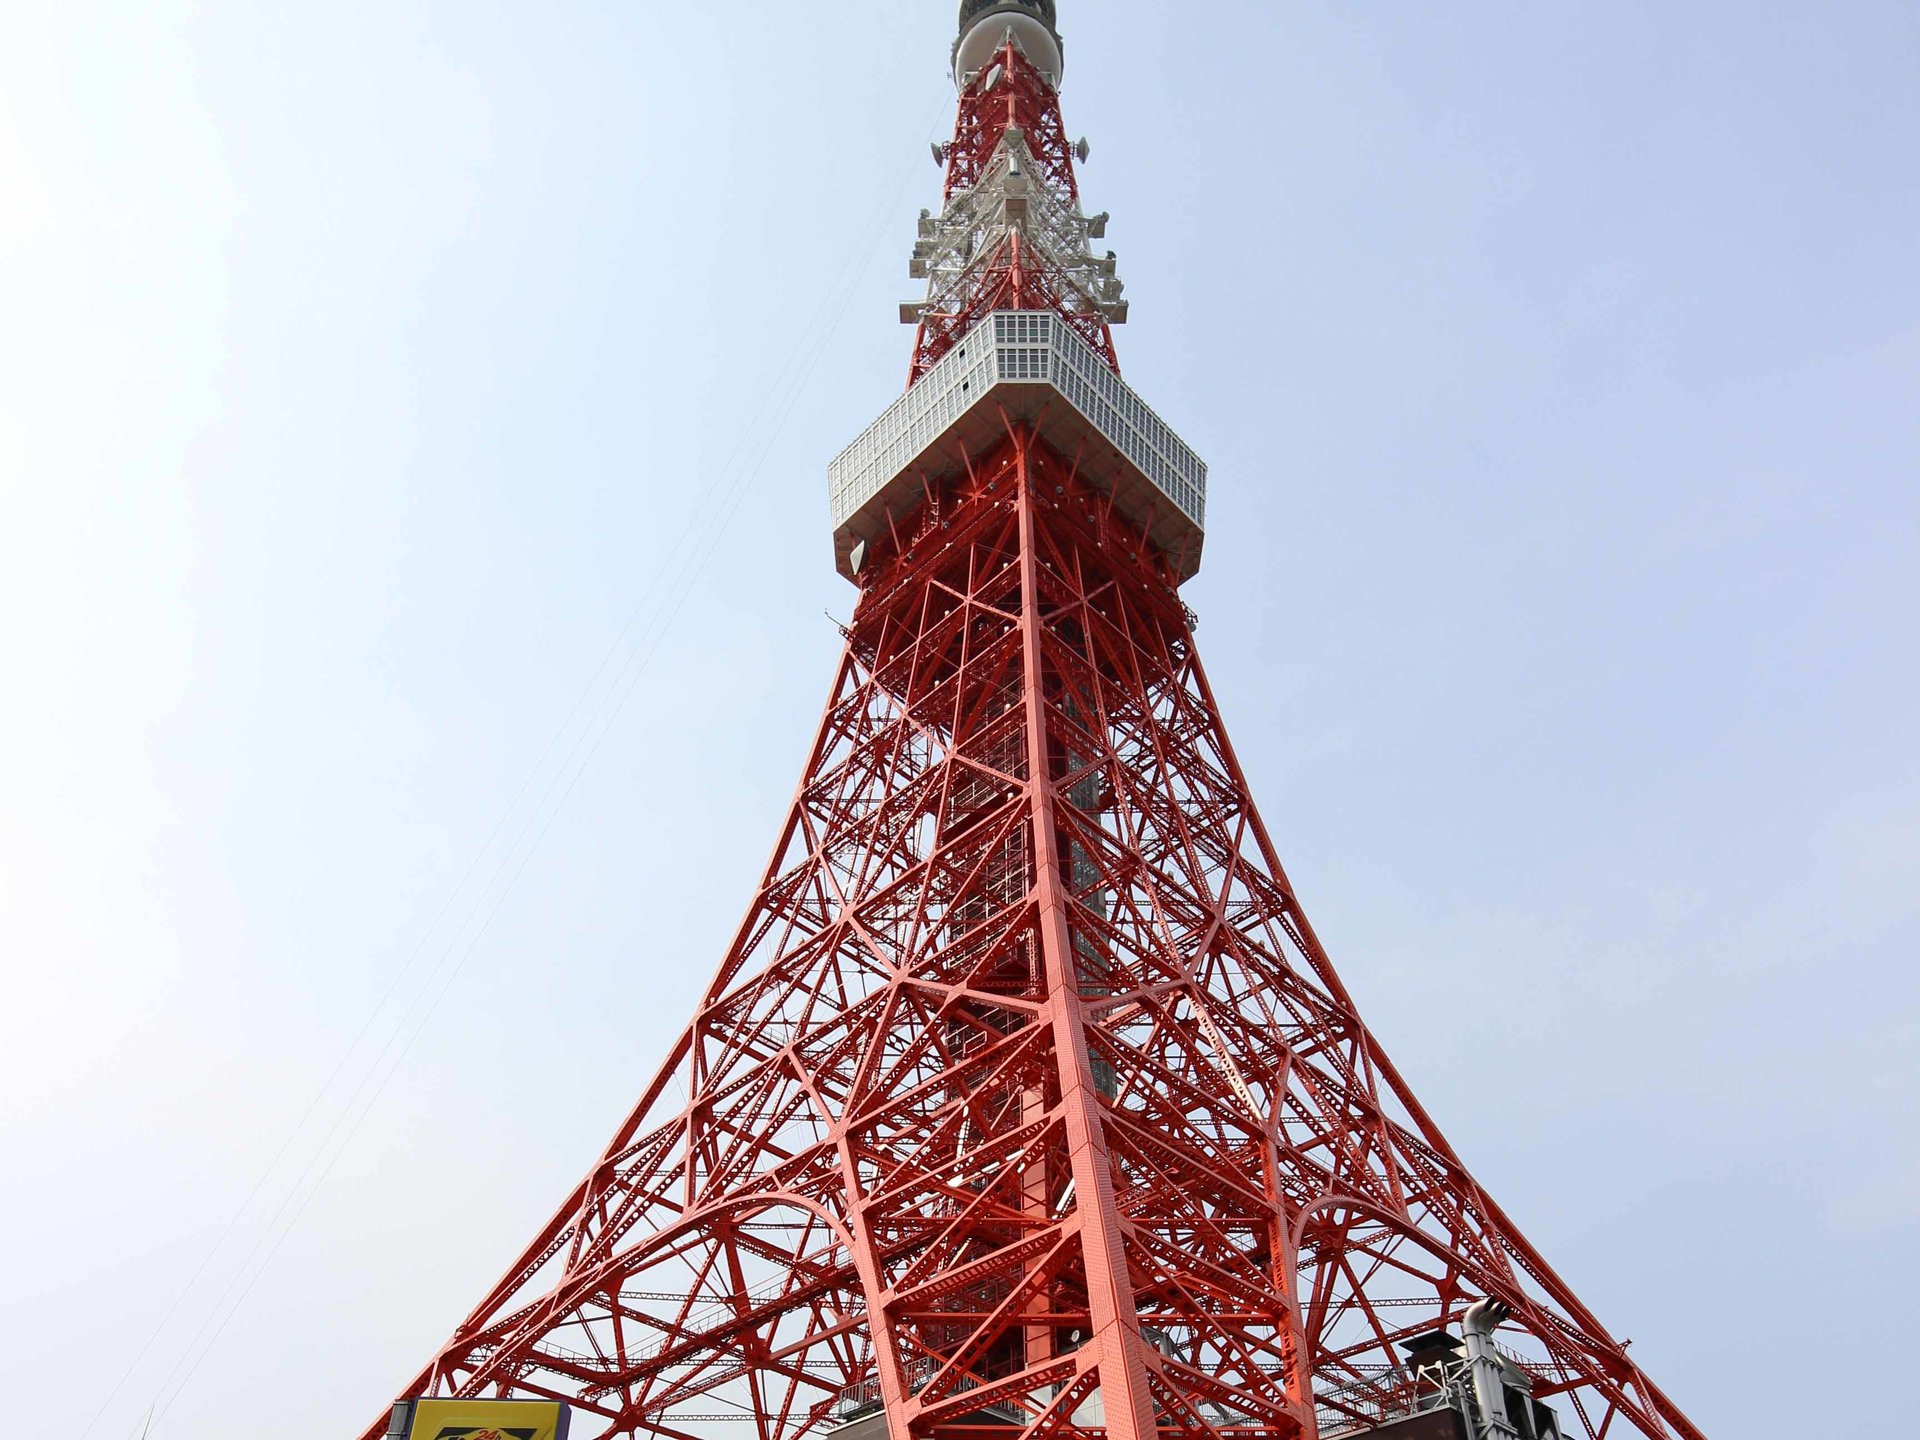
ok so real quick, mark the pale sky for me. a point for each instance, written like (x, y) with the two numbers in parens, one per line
(364, 367)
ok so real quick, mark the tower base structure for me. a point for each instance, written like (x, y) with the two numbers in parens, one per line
(1026, 1101)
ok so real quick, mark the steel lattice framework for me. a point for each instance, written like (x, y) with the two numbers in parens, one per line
(1012, 236)
(1025, 1101)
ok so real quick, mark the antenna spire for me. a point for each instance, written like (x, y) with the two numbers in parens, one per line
(1011, 234)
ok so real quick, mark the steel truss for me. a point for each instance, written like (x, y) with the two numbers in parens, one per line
(1012, 235)
(1025, 1101)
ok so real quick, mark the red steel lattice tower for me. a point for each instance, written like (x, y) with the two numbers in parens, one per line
(1025, 1101)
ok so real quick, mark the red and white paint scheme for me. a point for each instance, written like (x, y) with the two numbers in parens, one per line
(1025, 1102)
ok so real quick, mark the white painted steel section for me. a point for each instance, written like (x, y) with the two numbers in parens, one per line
(956, 248)
(1025, 347)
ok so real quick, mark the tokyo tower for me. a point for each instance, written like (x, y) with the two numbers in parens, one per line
(1025, 1102)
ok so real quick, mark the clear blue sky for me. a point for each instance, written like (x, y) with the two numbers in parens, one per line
(366, 366)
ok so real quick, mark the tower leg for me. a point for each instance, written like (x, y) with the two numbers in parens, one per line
(1116, 1341)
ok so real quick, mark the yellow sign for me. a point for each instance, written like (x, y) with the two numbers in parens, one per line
(488, 1420)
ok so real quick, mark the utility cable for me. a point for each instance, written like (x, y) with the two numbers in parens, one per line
(319, 1095)
(705, 528)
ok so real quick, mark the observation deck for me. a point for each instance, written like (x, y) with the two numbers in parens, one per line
(1022, 365)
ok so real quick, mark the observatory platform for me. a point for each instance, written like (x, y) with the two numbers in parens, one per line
(1027, 366)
